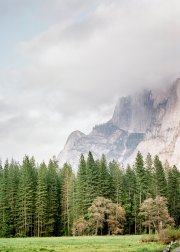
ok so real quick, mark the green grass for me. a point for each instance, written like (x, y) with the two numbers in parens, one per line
(79, 244)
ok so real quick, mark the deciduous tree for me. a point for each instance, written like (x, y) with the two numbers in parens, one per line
(155, 213)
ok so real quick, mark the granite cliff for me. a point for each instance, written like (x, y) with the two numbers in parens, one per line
(148, 121)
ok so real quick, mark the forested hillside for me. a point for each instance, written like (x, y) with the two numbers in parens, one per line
(47, 200)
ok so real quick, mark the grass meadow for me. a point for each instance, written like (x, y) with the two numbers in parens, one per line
(79, 244)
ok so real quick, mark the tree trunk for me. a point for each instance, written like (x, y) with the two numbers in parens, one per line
(96, 228)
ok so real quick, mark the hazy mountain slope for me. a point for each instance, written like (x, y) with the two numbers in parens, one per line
(163, 136)
(148, 121)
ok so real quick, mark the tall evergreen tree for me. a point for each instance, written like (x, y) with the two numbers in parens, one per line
(41, 201)
(116, 182)
(174, 194)
(81, 194)
(92, 179)
(150, 174)
(67, 198)
(104, 188)
(9, 178)
(129, 200)
(5, 230)
(141, 179)
(13, 195)
(160, 180)
(53, 203)
(72, 201)
(26, 197)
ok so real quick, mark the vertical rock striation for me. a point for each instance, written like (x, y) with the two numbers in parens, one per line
(148, 121)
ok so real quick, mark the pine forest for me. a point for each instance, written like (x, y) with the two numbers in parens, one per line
(40, 200)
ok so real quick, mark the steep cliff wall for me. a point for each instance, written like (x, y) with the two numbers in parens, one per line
(148, 121)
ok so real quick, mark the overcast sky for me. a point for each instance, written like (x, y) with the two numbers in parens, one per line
(64, 63)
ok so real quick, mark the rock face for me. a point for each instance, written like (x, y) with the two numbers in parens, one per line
(134, 113)
(148, 122)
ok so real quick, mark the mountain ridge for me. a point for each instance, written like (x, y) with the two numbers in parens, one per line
(148, 121)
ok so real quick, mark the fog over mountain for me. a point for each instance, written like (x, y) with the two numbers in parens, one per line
(64, 63)
(148, 121)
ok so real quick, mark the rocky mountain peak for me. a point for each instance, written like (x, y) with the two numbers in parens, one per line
(73, 138)
(148, 121)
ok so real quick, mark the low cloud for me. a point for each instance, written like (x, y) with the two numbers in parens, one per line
(116, 46)
(91, 53)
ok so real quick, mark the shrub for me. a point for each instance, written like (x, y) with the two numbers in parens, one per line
(79, 227)
(149, 238)
(168, 235)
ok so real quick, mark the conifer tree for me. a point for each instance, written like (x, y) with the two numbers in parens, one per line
(116, 182)
(72, 201)
(104, 183)
(67, 198)
(150, 176)
(13, 195)
(26, 197)
(9, 178)
(92, 179)
(160, 180)
(174, 193)
(41, 201)
(129, 200)
(97, 163)
(142, 186)
(141, 177)
(53, 210)
(81, 195)
(5, 230)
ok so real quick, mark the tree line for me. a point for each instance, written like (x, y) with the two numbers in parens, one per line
(102, 198)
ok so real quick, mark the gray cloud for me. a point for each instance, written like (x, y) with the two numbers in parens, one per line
(118, 46)
(91, 53)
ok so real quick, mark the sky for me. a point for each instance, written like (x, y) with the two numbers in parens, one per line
(64, 63)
